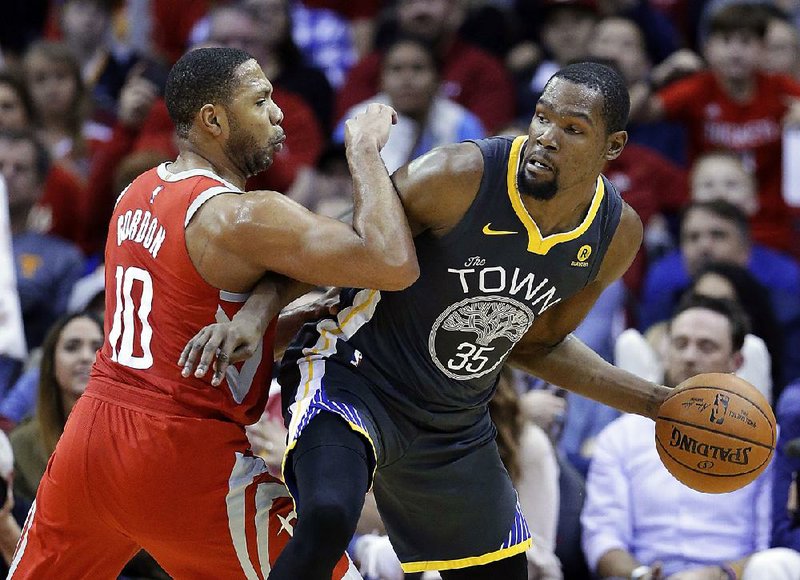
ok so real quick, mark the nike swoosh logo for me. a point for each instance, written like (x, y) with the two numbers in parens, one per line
(490, 232)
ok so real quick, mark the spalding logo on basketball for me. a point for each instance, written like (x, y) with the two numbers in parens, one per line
(715, 433)
(472, 337)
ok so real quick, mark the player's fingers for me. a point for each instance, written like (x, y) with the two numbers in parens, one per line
(221, 363)
(191, 352)
(209, 351)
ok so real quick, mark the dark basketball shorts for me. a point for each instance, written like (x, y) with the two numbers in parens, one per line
(441, 488)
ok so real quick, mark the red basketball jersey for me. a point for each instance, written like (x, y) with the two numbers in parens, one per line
(156, 301)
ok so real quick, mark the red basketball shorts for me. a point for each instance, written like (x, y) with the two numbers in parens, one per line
(185, 489)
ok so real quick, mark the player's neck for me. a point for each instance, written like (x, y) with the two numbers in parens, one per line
(564, 212)
(189, 159)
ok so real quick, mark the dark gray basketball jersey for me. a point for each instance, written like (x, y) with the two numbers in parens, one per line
(440, 343)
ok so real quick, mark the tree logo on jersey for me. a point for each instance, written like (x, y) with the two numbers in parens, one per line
(472, 337)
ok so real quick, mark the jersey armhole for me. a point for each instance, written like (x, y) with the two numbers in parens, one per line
(203, 198)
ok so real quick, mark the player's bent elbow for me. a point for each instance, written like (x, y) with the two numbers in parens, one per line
(400, 276)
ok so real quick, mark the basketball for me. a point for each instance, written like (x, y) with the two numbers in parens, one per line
(715, 433)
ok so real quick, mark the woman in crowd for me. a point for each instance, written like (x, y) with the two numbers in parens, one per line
(67, 356)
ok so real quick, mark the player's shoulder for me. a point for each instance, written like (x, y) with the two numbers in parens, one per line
(449, 167)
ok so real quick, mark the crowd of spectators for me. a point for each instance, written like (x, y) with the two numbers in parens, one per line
(715, 94)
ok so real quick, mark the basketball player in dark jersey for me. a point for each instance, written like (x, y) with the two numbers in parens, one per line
(516, 239)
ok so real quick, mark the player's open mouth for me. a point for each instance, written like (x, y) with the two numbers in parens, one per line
(538, 166)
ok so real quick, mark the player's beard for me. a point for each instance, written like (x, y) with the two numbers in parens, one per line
(245, 151)
(541, 190)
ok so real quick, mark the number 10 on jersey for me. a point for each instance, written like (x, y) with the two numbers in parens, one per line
(123, 336)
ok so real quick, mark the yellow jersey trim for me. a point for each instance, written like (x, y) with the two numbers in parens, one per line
(411, 567)
(536, 243)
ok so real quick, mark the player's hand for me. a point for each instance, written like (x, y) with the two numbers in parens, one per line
(220, 345)
(372, 126)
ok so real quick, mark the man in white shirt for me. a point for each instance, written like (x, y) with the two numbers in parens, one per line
(639, 521)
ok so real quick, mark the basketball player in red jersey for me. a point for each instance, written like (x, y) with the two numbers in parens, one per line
(150, 459)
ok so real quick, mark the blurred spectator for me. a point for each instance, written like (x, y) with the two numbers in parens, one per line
(786, 467)
(361, 16)
(731, 282)
(9, 528)
(657, 189)
(565, 29)
(782, 54)
(410, 83)
(645, 356)
(60, 210)
(735, 106)
(46, 266)
(60, 106)
(173, 22)
(716, 231)
(67, 357)
(722, 175)
(326, 189)
(13, 350)
(621, 41)
(472, 78)
(639, 521)
(264, 29)
(105, 64)
(326, 39)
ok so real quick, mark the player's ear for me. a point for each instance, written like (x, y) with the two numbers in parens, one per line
(615, 143)
(212, 119)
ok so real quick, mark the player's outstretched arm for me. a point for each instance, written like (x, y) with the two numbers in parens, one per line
(550, 352)
(233, 239)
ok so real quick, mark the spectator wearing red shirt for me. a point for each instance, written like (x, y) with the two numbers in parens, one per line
(471, 77)
(652, 185)
(736, 107)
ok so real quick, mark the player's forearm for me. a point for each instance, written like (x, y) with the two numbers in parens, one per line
(268, 298)
(574, 366)
(378, 215)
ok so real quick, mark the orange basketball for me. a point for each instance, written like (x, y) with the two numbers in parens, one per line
(715, 433)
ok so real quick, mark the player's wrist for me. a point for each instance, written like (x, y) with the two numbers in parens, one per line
(728, 573)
